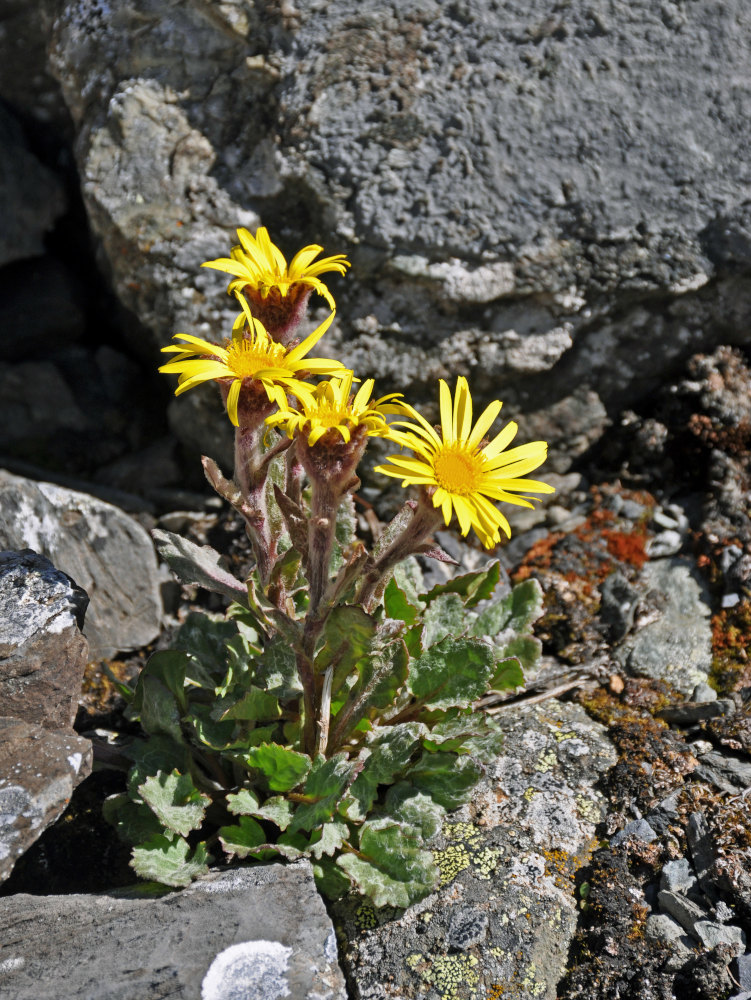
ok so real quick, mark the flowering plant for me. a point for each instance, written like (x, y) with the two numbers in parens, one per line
(330, 713)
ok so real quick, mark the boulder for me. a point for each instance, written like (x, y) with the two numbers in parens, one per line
(506, 911)
(43, 653)
(104, 550)
(39, 768)
(553, 204)
(259, 932)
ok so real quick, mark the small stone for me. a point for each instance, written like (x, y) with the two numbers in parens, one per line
(723, 913)
(105, 551)
(711, 934)
(677, 876)
(43, 652)
(667, 543)
(744, 970)
(730, 600)
(703, 693)
(39, 768)
(639, 829)
(681, 908)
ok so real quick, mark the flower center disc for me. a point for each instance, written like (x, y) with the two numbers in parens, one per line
(457, 471)
(246, 358)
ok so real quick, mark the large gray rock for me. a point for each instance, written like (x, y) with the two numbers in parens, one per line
(43, 653)
(676, 645)
(506, 911)
(259, 933)
(39, 769)
(553, 202)
(103, 550)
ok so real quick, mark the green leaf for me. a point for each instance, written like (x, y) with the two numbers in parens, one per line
(449, 780)
(157, 707)
(526, 648)
(347, 637)
(243, 803)
(516, 611)
(158, 753)
(471, 587)
(133, 822)
(408, 806)
(169, 861)
(508, 674)
(409, 579)
(472, 733)
(286, 570)
(241, 839)
(380, 676)
(444, 617)
(205, 639)
(391, 749)
(175, 801)
(330, 880)
(393, 868)
(345, 533)
(276, 809)
(324, 788)
(196, 564)
(454, 672)
(276, 670)
(214, 734)
(396, 604)
(167, 666)
(283, 769)
(255, 705)
(328, 838)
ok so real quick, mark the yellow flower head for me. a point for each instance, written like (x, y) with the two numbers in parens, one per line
(250, 359)
(464, 475)
(260, 268)
(331, 408)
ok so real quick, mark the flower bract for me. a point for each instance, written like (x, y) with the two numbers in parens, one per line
(251, 358)
(464, 473)
(331, 407)
(259, 266)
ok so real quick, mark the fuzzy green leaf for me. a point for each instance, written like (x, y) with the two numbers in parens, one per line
(212, 733)
(444, 617)
(516, 611)
(471, 587)
(170, 861)
(347, 637)
(344, 534)
(330, 880)
(391, 749)
(283, 769)
(409, 579)
(276, 809)
(168, 666)
(134, 823)
(508, 674)
(396, 604)
(324, 788)
(328, 838)
(197, 564)
(380, 676)
(276, 670)
(255, 705)
(158, 753)
(205, 639)
(454, 672)
(449, 780)
(241, 839)
(394, 869)
(157, 708)
(526, 649)
(406, 805)
(175, 801)
(472, 733)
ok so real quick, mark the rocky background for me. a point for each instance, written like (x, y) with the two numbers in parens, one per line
(553, 199)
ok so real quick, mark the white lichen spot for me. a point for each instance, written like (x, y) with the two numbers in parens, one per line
(12, 964)
(250, 969)
(75, 761)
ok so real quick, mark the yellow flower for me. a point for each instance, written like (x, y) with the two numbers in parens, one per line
(259, 266)
(330, 407)
(464, 475)
(250, 359)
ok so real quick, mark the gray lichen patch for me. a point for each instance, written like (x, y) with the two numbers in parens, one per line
(502, 919)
